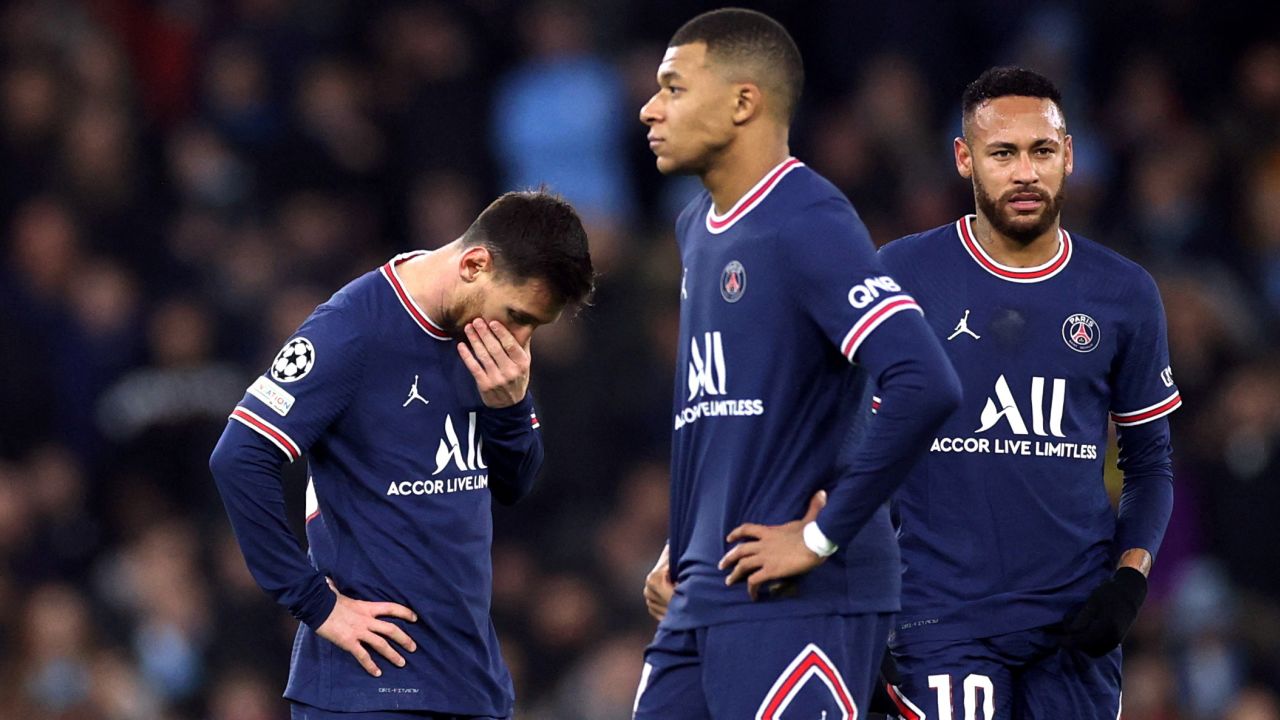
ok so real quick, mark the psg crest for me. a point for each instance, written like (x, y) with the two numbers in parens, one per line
(733, 282)
(294, 361)
(1080, 333)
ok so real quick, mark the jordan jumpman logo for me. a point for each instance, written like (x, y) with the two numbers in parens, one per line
(413, 394)
(962, 328)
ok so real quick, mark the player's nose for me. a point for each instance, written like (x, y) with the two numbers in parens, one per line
(1024, 170)
(522, 334)
(649, 111)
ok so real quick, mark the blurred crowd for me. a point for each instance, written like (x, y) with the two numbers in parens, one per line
(182, 181)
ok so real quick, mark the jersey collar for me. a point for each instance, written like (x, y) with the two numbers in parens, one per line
(428, 325)
(717, 224)
(1055, 264)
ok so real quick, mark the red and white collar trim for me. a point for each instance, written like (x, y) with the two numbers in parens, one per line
(717, 224)
(428, 325)
(1055, 265)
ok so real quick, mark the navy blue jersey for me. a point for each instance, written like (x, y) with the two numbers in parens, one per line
(401, 453)
(1006, 524)
(777, 297)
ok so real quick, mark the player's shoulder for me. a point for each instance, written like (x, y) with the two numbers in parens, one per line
(806, 189)
(355, 307)
(339, 328)
(810, 205)
(921, 244)
(1099, 260)
(361, 294)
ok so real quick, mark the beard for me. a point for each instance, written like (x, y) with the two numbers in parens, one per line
(467, 306)
(1019, 229)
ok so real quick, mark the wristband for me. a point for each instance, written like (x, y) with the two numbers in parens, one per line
(817, 541)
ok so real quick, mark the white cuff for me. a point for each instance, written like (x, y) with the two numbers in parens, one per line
(817, 541)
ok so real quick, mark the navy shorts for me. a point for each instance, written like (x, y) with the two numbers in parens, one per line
(822, 666)
(302, 711)
(1024, 675)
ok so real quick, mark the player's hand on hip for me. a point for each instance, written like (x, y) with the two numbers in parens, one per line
(354, 626)
(498, 362)
(658, 587)
(768, 553)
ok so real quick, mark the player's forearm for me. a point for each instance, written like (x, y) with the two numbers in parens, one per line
(247, 472)
(1145, 506)
(919, 390)
(1146, 502)
(513, 450)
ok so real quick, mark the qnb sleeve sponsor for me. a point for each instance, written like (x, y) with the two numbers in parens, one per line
(837, 278)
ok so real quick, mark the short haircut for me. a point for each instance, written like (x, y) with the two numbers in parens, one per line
(1006, 81)
(754, 43)
(536, 234)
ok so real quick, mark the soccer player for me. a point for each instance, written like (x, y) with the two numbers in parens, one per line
(786, 313)
(407, 392)
(1020, 581)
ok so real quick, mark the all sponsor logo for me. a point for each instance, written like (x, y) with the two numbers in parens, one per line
(1043, 405)
(452, 451)
(1080, 333)
(707, 382)
(706, 367)
(1004, 407)
(454, 455)
(1166, 376)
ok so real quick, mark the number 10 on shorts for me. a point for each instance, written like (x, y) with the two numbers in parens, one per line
(973, 685)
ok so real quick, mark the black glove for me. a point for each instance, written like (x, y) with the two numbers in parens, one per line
(1099, 625)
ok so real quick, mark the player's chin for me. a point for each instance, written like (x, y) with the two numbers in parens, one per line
(1028, 225)
(668, 165)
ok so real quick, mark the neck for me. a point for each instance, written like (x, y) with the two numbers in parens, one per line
(741, 167)
(426, 279)
(1015, 253)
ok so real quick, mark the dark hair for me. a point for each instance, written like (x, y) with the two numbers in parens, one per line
(746, 38)
(1005, 81)
(536, 234)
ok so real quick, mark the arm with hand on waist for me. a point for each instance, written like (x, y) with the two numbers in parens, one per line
(247, 470)
(919, 389)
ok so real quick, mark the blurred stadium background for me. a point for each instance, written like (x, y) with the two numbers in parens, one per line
(182, 181)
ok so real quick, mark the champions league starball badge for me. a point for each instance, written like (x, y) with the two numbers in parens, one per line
(294, 361)
(1080, 333)
(733, 282)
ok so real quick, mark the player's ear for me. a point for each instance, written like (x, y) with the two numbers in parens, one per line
(475, 261)
(747, 102)
(964, 158)
(1068, 155)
